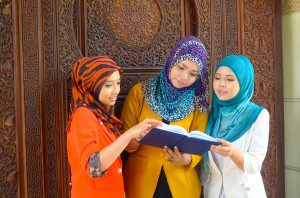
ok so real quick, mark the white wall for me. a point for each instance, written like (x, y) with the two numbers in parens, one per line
(291, 77)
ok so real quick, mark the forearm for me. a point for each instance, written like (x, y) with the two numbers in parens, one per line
(110, 153)
(238, 158)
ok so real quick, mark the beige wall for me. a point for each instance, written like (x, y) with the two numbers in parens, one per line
(291, 77)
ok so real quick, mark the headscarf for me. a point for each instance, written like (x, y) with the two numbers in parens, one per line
(173, 103)
(88, 77)
(230, 119)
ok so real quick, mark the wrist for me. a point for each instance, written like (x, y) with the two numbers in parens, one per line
(188, 160)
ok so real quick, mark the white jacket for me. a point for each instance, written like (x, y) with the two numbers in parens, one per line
(236, 183)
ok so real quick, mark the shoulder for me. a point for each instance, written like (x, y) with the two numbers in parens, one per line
(136, 91)
(264, 114)
(198, 114)
(83, 113)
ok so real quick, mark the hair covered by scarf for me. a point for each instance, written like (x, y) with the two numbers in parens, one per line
(231, 119)
(88, 76)
(173, 103)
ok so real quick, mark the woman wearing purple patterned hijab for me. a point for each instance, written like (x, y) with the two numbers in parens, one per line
(178, 95)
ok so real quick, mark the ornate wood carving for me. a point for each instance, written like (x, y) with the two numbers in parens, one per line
(139, 36)
(8, 152)
(68, 53)
(32, 98)
(50, 96)
(260, 40)
(136, 34)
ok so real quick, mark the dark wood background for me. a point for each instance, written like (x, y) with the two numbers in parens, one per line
(41, 40)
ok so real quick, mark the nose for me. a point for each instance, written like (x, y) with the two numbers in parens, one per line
(116, 89)
(222, 83)
(184, 77)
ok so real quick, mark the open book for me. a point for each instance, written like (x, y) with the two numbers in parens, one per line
(194, 142)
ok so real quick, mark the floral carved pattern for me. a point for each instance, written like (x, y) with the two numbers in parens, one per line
(8, 152)
(133, 47)
(259, 31)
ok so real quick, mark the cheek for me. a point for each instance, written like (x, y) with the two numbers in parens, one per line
(215, 85)
(104, 93)
(234, 89)
(191, 81)
(173, 74)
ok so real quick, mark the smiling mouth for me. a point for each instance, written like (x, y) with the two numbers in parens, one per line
(180, 82)
(221, 92)
(114, 98)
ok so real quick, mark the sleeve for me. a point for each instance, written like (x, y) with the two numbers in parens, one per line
(132, 107)
(84, 138)
(257, 150)
(199, 124)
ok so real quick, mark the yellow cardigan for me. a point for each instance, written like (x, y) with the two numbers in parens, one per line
(143, 167)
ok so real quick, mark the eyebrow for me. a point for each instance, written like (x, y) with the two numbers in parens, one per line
(192, 70)
(112, 80)
(226, 75)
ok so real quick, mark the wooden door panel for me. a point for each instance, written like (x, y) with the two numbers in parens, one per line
(41, 40)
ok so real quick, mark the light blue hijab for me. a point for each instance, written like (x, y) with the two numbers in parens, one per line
(230, 119)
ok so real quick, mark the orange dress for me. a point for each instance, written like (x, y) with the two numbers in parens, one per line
(87, 135)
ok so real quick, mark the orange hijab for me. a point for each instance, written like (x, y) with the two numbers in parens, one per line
(88, 77)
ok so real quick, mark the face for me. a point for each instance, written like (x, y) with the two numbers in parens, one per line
(184, 74)
(110, 90)
(225, 83)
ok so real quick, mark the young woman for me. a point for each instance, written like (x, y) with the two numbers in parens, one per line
(92, 135)
(233, 168)
(177, 96)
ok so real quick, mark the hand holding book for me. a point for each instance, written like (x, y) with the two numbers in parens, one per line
(195, 142)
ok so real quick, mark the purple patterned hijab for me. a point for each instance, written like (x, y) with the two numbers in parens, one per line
(172, 103)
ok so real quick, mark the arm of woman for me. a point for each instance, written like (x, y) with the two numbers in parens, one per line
(95, 156)
(131, 111)
(251, 161)
(199, 123)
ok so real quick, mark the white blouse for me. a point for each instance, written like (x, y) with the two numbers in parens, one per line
(225, 179)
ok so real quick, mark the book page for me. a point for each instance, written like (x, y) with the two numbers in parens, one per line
(174, 129)
(201, 135)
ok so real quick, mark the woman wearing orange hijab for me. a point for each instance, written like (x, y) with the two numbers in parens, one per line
(94, 143)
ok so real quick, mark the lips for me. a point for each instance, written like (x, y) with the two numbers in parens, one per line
(180, 82)
(113, 98)
(221, 92)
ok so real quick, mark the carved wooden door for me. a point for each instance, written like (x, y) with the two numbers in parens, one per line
(41, 40)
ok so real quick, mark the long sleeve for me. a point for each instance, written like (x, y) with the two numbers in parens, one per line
(132, 107)
(257, 150)
(83, 135)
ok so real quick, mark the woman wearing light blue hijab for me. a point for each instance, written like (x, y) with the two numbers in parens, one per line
(233, 168)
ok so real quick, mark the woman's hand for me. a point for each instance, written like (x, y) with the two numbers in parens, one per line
(138, 131)
(225, 149)
(182, 159)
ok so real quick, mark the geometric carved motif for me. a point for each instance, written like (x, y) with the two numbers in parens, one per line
(8, 152)
(49, 95)
(32, 98)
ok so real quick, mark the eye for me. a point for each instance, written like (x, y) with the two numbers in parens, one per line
(194, 74)
(180, 67)
(108, 85)
(217, 78)
(230, 79)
